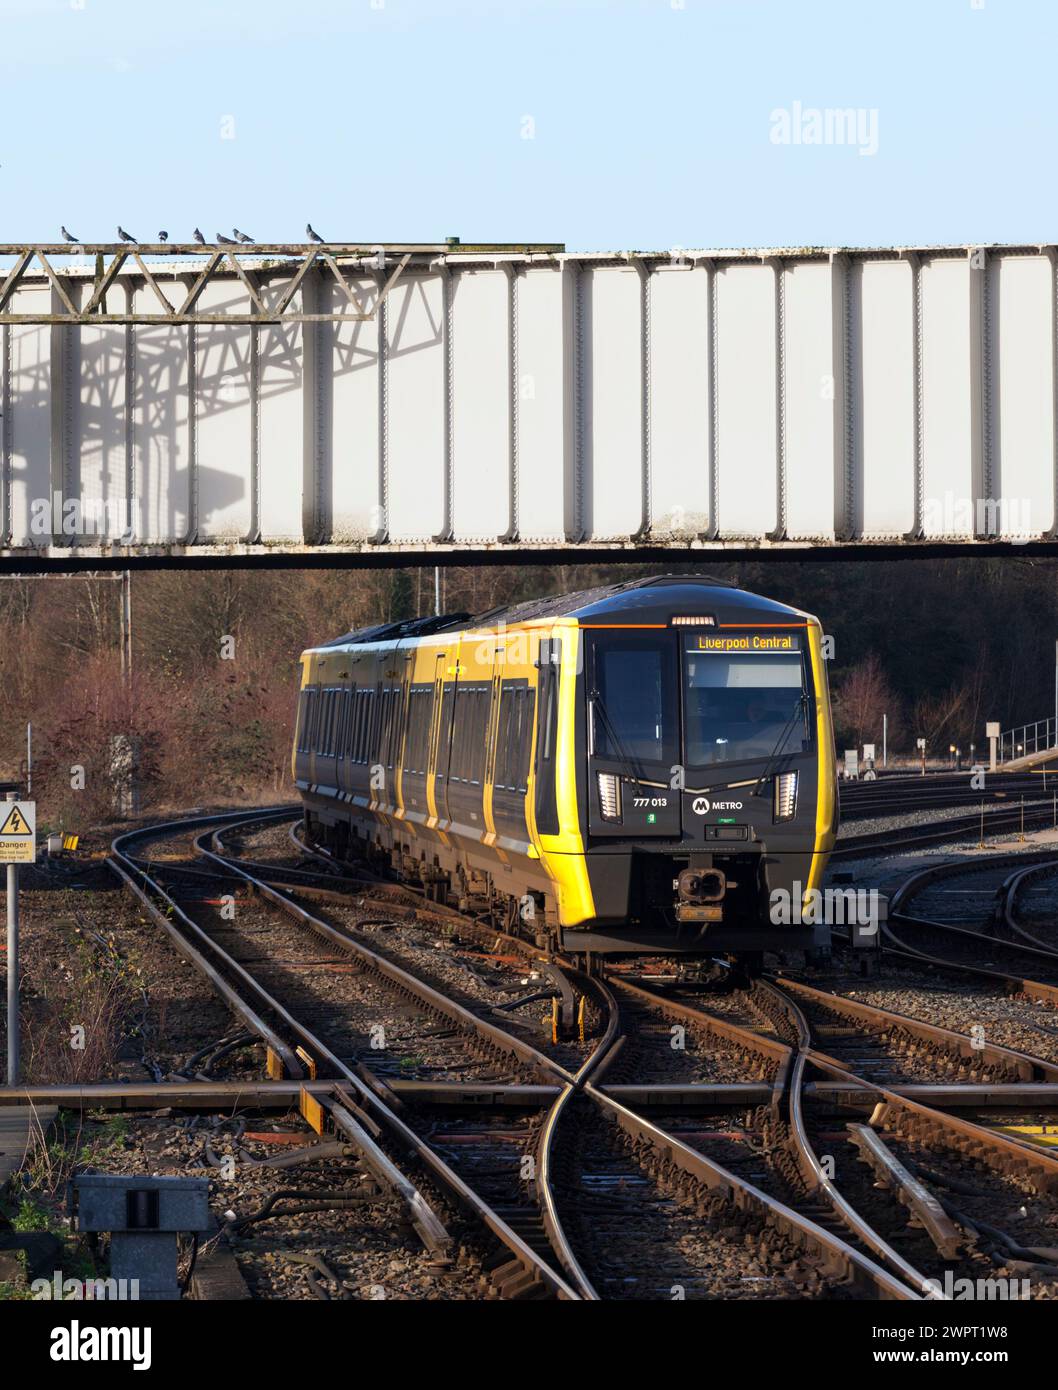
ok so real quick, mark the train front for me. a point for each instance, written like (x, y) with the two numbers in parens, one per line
(710, 786)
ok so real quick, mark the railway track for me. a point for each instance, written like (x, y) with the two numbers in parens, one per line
(906, 796)
(749, 1052)
(864, 1175)
(387, 1140)
(958, 829)
(988, 944)
(627, 1040)
(1027, 906)
(502, 1095)
(470, 1156)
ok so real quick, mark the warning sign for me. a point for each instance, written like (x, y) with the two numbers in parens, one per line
(18, 832)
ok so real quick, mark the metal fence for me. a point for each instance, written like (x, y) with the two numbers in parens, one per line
(1028, 739)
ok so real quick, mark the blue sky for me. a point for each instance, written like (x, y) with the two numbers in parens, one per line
(651, 120)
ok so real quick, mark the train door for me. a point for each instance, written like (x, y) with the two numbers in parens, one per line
(545, 764)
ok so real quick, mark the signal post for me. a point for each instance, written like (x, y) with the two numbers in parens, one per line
(18, 845)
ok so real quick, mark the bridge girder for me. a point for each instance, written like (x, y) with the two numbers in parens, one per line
(444, 398)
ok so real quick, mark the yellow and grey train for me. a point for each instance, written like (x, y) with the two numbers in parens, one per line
(642, 767)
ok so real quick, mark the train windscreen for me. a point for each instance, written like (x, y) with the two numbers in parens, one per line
(742, 701)
(634, 700)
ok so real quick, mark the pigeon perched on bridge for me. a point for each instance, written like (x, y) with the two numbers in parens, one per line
(199, 237)
(241, 236)
(127, 236)
(163, 236)
(312, 235)
(225, 240)
(67, 236)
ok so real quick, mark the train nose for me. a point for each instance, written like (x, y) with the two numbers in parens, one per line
(702, 885)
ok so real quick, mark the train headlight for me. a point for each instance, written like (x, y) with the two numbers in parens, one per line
(785, 795)
(609, 795)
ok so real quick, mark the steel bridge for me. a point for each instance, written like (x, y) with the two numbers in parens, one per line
(172, 400)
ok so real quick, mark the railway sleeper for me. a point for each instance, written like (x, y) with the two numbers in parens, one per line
(734, 1214)
(1034, 1177)
(512, 1280)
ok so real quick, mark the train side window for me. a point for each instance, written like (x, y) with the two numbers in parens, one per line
(342, 711)
(400, 715)
(480, 733)
(444, 733)
(356, 732)
(356, 724)
(352, 724)
(471, 727)
(325, 731)
(508, 698)
(514, 737)
(391, 743)
(387, 750)
(304, 712)
(368, 702)
(317, 713)
(370, 720)
(332, 724)
(319, 741)
(458, 771)
(380, 733)
(523, 741)
(420, 709)
(310, 719)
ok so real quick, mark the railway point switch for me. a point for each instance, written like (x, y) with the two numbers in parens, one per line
(143, 1217)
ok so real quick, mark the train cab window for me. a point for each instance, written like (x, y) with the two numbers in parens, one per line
(743, 705)
(633, 702)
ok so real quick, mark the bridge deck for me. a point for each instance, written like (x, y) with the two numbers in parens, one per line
(168, 401)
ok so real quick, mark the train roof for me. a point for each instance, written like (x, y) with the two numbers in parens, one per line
(647, 601)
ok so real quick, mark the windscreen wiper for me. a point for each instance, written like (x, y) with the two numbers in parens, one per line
(799, 709)
(622, 752)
